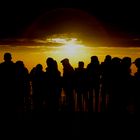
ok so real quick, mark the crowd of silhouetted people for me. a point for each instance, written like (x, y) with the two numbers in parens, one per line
(101, 87)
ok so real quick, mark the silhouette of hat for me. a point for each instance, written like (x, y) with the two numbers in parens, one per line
(66, 60)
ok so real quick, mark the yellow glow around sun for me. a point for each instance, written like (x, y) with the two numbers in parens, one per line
(70, 47)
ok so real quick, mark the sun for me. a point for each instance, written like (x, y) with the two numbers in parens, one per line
(72, 47)
(69, 46)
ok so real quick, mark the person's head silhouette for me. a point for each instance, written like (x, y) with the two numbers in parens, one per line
(65, 61)
(7, 57)
(137, 63)
(50, 62)
(94, 59)
(81, 65)
(20, 64)
(39, 67)
(108, 58)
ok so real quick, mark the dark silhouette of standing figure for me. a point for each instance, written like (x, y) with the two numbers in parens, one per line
(126, 99)
(105, 81)
(81, 85)
(93, 75)
(114, 104)
(7, 83)
(137, 85)
(53, 85)
(68, 83)
(22, 87)
(38, 94)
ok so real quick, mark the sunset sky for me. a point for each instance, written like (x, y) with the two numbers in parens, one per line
(33, 31)
(119, 18)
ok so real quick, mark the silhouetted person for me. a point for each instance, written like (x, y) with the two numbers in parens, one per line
(105, 81)
(114, 104)
(38, 83)
(22, 87)
(53, 84)
(7, 83)
(93, 75)
(126, 90)
(68, 83)
(137, 85)
(81, 85)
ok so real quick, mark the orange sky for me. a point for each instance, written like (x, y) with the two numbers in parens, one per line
(33, 55)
